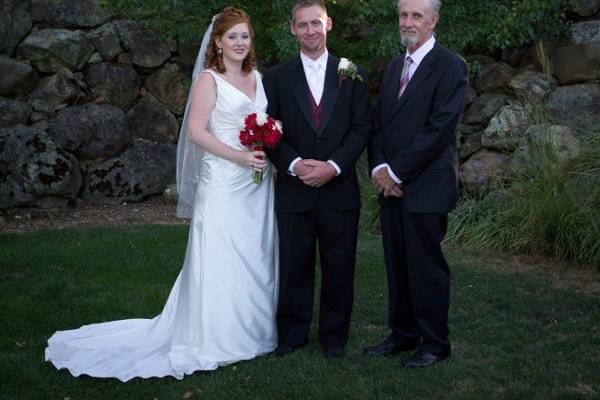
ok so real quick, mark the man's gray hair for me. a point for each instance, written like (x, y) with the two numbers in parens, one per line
(434, 5)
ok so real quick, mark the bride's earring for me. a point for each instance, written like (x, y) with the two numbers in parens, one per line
(220, 50)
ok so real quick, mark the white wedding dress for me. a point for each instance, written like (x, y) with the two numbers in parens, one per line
(222, 306)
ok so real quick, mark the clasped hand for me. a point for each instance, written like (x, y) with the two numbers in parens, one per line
(383, 183)
(314, 173)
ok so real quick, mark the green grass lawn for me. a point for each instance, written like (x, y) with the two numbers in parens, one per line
(515, 334)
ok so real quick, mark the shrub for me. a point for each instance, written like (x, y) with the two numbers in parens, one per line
(363, 30)
(548, 207)
(499, 24)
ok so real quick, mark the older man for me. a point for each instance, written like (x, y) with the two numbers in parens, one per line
(413, 159)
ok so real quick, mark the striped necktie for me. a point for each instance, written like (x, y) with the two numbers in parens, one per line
(405, 75)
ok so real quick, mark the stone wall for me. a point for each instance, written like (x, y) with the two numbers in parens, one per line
(90, 107)
(527, 97)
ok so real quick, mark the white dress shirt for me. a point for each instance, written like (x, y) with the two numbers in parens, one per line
(314, 70)
(416, 57)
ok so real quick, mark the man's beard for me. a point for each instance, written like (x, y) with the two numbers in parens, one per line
(409, 41)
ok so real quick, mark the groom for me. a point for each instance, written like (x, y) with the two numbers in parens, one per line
(326, 125)
(413, 159)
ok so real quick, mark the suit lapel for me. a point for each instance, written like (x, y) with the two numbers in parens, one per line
(301, 91)
(425, 68)
(331, 91)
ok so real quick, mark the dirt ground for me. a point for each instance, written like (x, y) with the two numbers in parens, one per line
(155, 210)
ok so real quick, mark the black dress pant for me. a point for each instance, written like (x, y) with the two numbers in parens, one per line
(335, 232)
(418, 276)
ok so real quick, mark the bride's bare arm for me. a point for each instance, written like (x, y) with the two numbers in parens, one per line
(203, 100)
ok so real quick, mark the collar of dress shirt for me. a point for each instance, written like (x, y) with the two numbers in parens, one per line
(322, 60)
(421, 52)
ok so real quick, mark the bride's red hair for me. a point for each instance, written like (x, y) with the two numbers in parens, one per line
(224, 21)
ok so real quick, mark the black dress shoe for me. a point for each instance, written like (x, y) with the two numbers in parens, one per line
(284, 349)
(422, 359)
(391, 346)
(334, 352)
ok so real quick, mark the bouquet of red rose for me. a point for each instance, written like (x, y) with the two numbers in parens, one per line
(258, 131)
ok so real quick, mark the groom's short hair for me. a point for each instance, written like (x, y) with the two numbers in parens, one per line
(307, 3)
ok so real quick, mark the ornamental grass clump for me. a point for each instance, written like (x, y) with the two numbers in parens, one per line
(548, 206)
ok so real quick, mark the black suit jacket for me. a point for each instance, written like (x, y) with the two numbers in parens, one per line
(416, 134)
(342, 135)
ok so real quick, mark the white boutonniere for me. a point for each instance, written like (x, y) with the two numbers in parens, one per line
(347, 69)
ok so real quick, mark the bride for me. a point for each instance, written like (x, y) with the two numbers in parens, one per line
(221, 308)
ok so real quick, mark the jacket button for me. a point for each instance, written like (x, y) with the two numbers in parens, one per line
(318, 141)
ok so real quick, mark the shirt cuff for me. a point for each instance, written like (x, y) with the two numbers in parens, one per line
(291, 167)
(337, 168)
(393, 175)
(377, 168)
(390, 172)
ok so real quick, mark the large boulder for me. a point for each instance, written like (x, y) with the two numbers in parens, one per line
(537, 56)
(554, 139)
(577, 63)
(114, 84)
(13, 112)
(70, 13)
(151, 120)
(34, 171)
(584, 8)
(167, 86)
(506, 128)
(513, 55)
(91, 131)
(149, 50)
(52, 49)
(532, 86)
(483, 171)
(484, 108)
(585, 32)
(143, 170)
(15, 22)
(16, 78)
(468, 141)
(469, 145)
(106, 40)
(493, 78)
(56, 92)
(577, 106)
